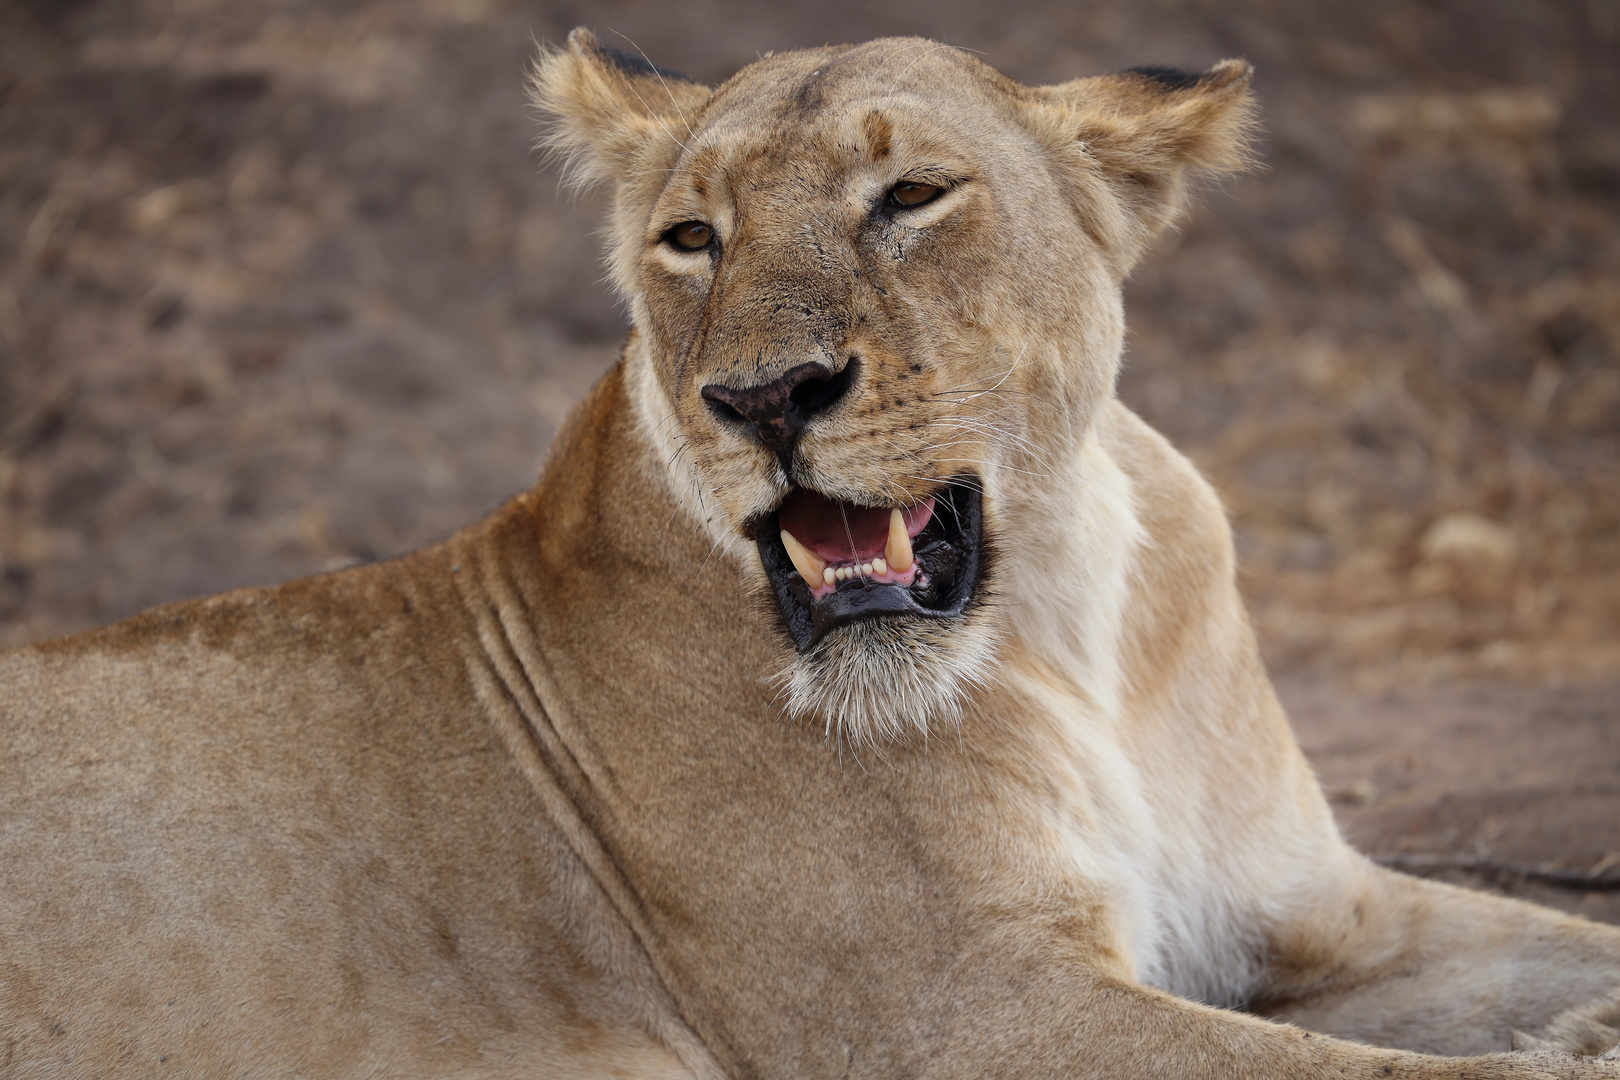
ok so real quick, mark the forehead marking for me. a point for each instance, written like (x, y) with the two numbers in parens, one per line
(701, 168)
(808, 96)
(879, 133)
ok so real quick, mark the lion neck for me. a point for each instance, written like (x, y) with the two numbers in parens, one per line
(597, 571)
(1067, 545)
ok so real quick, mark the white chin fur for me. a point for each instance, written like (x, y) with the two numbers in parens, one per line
(889, 678)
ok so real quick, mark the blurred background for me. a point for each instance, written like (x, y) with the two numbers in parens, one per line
(284, 288)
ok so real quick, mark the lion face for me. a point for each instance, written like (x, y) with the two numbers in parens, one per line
(876, 296)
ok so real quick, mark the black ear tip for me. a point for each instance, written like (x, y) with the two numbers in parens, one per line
(1218, 77)
(583, 40)
(1168, 78)
(636, 64)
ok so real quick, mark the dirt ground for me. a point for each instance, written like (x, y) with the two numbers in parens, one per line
(284, 288)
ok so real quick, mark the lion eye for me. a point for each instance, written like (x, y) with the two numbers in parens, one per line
(691, 235)
(909, 193)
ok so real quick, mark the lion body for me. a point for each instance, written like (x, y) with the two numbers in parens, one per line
(275, 834)
(530, 803)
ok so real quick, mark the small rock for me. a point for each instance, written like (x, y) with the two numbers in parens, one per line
(1467, 536)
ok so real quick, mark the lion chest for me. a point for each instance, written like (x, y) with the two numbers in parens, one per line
(1139, 834)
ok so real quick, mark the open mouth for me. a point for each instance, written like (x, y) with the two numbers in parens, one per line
(832, 562)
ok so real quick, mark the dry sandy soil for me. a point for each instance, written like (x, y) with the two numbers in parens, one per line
(283, 288)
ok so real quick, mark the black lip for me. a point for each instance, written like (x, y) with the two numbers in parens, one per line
(948, 553)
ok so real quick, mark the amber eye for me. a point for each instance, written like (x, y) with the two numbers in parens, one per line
(691, 235)
(909, 193)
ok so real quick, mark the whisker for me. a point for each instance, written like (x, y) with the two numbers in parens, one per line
(660, 75)
(653, 114)
(999, 379)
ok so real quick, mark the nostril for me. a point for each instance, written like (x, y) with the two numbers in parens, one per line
(723, 410)
(815, 395)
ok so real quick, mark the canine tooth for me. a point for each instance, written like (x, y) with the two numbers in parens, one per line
(898, 548)
(879, 566)
(805, 561)
(828, 576)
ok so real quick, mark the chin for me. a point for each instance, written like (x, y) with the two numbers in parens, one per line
(889, 678)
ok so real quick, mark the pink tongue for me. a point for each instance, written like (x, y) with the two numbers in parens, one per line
(828, 528)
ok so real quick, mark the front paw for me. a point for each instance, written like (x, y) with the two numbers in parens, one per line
(1592, 1030)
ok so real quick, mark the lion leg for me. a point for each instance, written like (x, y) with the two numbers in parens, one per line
(1592, 1029)
(1399, 961)
(1120, 1029)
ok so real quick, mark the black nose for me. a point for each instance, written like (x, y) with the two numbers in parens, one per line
(780, 409)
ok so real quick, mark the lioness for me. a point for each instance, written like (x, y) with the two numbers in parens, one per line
(861, 691)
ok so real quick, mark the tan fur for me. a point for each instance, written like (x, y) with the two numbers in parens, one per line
(533, 802)
(1591, 1029)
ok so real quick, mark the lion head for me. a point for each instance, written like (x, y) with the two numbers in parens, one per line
(876, 304)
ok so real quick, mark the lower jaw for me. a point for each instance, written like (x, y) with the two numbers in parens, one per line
(948, 568)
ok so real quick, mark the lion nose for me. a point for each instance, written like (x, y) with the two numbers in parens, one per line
(779, 409)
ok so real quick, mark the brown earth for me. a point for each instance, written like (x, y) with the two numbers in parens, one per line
(283, 288)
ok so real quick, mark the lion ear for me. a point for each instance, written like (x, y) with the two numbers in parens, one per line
(1148, 131)
(612, 115)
